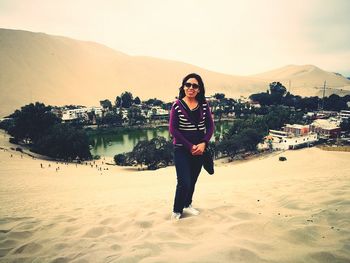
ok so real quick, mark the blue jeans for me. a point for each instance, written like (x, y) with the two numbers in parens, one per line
(188, 167)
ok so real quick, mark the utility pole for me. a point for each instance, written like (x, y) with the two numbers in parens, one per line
(321, 105)
(324, 93)
(289, 86)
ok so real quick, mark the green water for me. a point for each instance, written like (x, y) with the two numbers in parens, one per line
(112, 143)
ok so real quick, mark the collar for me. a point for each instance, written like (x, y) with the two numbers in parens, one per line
(184, 111)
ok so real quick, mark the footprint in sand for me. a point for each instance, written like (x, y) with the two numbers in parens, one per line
(144, 224)
(110, 220)
(116, 247)
(98, 231)
(30, 247)
(20, 234)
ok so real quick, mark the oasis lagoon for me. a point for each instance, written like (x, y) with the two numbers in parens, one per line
(112, 142)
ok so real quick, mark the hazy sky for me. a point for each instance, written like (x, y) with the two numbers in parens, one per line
(236, 37)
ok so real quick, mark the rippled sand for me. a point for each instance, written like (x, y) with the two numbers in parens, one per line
(262, 210)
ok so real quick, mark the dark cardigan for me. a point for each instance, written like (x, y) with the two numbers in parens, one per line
(186, 131)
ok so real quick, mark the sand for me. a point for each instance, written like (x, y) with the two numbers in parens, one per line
(262, 210)
(61, 71)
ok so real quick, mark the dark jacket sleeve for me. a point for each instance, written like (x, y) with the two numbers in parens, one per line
(209, 124)
(174, 129)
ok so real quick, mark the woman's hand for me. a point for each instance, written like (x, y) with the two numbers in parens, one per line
(194, 149)
(198, 149)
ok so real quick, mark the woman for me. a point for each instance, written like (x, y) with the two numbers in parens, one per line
(191, 126)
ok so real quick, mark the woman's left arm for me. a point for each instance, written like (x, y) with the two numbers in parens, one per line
(209, 124)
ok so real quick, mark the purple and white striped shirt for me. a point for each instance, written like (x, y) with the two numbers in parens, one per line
(186, 131)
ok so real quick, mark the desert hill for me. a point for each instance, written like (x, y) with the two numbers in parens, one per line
(307, 80)
(59, 70)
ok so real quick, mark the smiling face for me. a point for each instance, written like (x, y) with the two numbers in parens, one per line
(191, 88)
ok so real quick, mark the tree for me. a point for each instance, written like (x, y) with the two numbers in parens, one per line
(277, 91)
(126, 99)
(308, 103)
(62, 141)
(120, 159)
(289, 100)
(277, 117)
(236, 127)
(346, 98)
(153, 153)
(345, 125)
(154, 102)
(7, 124)
(140, 152)
(334, 102)
(238, 109)
(106, 104)
(91, 116)
(262, 98)
(137, 101)
(168, 105)
(250, 139)
(230, 147)
(277, 88)
(118, 102)
(135, 116)
(32, 121)
(219, 96)
(219, 113)
(112, 119)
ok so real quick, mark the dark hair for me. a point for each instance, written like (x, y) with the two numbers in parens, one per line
(201, 95)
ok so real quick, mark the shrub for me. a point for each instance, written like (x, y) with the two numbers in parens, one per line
(19, 149)
(13, 140)
(120, 159)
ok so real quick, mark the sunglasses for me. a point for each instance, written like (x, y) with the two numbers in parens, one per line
(194, 85)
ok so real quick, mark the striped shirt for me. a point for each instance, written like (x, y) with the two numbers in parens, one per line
(187, 131)
(193, 113)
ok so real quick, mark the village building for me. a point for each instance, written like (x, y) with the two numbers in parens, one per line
(157, 112)
(292, 137)
(326, 128)
(344, 115)
(81, 113)
(326, 114)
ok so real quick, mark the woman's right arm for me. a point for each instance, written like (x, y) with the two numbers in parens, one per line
(174, 129)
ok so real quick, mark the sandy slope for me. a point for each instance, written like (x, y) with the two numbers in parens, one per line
(59, 70)
(307, 80)
(262, 210)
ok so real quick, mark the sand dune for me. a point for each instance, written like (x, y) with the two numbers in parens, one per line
(58, 71)
(261, 210)
(308, 80)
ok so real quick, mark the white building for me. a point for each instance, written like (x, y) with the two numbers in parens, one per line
(5, 119)
(344, 115)
(210, 98)
(282, 140)
(296, 129)
(310, 115)
(124, 113)
(97, 110)
(73, 114)
(326, 128)
(81, 113)
(158, 111)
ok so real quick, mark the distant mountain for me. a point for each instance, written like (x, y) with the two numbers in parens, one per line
(58, 71)
(307, 80)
